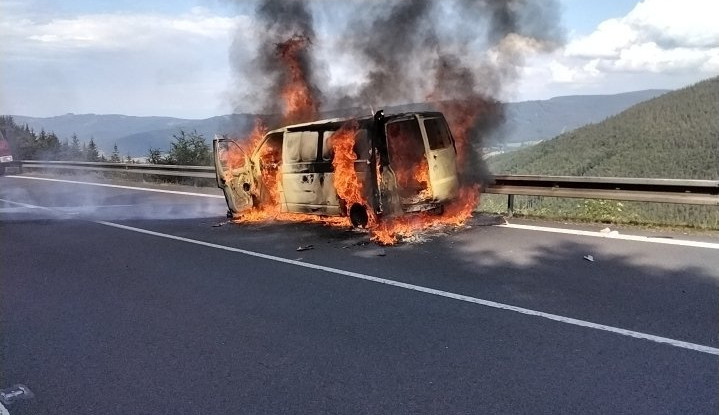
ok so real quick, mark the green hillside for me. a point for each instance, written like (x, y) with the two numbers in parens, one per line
(675, 135)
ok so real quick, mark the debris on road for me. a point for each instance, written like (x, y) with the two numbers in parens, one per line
(589, 258)
(15, 393)
(305, 248)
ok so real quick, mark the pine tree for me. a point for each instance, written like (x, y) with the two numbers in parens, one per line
(115, 156)
(53, 147)
(64, 153)
(75, 151)
(91, 154)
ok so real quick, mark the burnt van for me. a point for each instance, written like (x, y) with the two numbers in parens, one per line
(404, 162)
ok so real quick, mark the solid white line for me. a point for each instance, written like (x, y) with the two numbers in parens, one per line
(29, 206)
(460, 297)
(636, 238)
(426, 290)
(116, 186)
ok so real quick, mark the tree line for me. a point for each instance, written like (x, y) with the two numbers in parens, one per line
(30, 145)
(187, 148)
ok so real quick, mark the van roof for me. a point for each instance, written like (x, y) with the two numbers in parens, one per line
(336, 123)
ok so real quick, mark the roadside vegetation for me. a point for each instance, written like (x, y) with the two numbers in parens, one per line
(674, 136)
(187, 148)
(605, 211)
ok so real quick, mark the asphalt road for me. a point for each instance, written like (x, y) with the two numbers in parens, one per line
(175, 311)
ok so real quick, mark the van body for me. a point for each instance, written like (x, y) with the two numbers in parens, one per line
(297, 160)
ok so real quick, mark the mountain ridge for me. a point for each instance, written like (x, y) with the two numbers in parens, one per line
(524, 121)
(675, 135)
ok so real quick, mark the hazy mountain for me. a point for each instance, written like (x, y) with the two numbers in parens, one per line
(541, 120)
(134, 135)
(675, 135)
(525, 121)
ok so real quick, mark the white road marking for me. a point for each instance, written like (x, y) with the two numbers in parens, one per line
(116, 186)
(29, 206)
(636, 238)
(432, 291)
(67, 209)
(426, 290)
(3, 410)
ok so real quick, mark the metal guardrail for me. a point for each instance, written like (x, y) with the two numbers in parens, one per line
(693, 192)
(206, 172)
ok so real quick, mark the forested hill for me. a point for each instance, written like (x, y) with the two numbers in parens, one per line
(673, 136)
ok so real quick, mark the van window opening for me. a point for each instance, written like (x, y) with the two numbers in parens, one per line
(406, 155)
(437, 133)
(230, 155)
(270, 154)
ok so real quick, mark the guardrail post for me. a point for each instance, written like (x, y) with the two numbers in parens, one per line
(510, 205)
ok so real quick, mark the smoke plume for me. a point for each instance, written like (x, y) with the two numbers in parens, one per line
(456, 56)
(281, 74)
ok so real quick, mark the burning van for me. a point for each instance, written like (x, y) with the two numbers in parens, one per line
(365, 168)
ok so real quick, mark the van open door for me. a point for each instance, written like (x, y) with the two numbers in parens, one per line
(441, 157)
(234, 174)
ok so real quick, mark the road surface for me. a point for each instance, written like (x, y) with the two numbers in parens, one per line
(117, 300)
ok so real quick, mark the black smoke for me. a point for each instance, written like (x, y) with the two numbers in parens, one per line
(457, 56)
(281, 28)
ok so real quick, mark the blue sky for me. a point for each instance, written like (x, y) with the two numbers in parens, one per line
(155, 57)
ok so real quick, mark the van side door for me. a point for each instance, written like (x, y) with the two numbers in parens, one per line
(441, 157)
(234, 174)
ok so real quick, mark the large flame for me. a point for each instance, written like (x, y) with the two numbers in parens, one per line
(350, 190)
(300, 103)
(409, 163)
(456, 213)
(347, 184)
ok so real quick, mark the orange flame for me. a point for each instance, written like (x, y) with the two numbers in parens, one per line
(455, 213)
(347, 184)
(407, 159)
(350, 190)
(300, 104)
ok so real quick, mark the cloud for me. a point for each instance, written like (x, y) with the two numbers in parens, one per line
(114, 32)
(656, 36)
(148, 63)
(659, 44)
